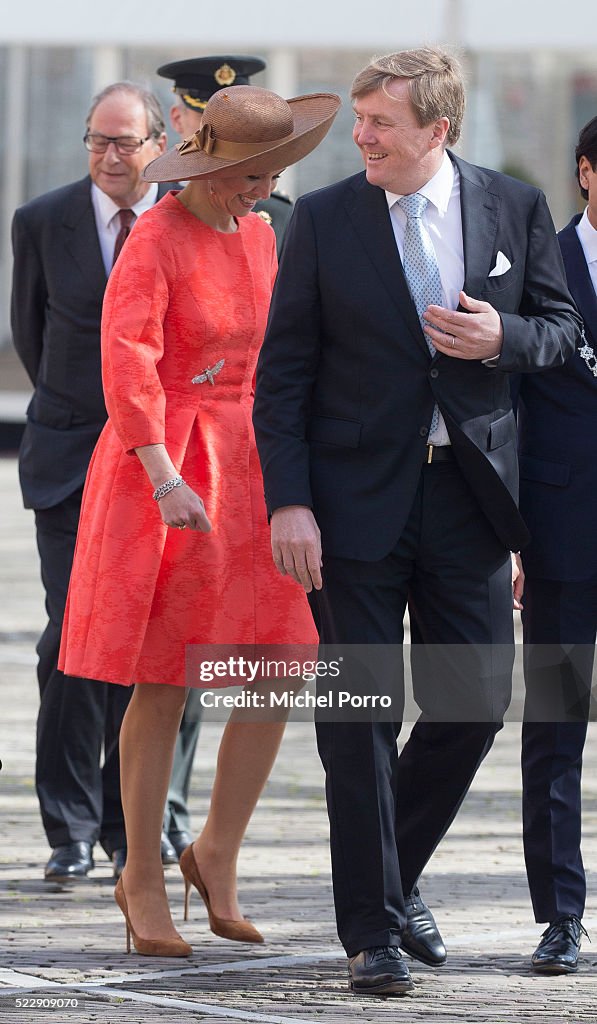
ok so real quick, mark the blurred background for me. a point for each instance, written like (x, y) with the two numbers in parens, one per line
(531, 67)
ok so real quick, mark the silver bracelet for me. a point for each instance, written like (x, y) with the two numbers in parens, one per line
(166, 487)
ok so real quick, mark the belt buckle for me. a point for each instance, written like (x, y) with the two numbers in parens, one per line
(430, 448)
(208, 374)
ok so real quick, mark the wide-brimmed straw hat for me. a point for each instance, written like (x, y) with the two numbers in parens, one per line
(251, 130)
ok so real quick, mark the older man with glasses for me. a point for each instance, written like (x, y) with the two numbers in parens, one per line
(65, 244)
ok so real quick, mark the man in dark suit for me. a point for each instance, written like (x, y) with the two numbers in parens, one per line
(557, 412)
(198, 78)
(64, 245)
(405, 297)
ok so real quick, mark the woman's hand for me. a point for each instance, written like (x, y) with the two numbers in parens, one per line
(183, 507)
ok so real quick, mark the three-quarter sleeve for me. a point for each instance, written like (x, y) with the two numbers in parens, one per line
(135, 305)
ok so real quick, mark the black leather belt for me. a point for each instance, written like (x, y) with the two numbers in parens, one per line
(438, 453)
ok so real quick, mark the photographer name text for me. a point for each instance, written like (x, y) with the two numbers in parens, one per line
(249, 698)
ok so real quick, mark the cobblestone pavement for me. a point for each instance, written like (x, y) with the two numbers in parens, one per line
(63, 953)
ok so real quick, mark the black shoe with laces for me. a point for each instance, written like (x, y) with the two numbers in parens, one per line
(421, 938)
(379, 971)
(558, 951)
(69, 863)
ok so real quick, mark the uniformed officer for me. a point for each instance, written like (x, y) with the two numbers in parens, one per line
(198, 78)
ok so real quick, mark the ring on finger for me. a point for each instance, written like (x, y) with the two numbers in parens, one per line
(453, 341)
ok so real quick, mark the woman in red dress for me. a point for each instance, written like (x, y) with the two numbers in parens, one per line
(173, 545)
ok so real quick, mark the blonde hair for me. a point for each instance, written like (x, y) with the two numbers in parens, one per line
(436, 84)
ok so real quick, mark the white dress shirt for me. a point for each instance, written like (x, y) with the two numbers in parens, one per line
(443, 219)
(587, 236)
(107, 220)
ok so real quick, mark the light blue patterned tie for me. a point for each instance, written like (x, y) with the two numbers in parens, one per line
(420, 267)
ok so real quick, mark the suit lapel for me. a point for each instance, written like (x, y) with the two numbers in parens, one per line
(368, 210)
(81, 238)
(80, 234)
(579, 278)
(479, 209)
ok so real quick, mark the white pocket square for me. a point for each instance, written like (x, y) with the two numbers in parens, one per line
(502, 264)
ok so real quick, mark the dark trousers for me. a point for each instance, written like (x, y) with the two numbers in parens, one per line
(176, 813)
(79, 800)
(388, 812)
(559, 626)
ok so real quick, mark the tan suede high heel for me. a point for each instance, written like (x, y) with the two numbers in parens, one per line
(148, 947)
(226, 928)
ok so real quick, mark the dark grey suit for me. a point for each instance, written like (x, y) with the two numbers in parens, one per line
(345, 392)
(557, 413)
(58, 286)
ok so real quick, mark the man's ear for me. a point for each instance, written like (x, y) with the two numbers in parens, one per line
(440, 129)
(176, 119)
(584, 165)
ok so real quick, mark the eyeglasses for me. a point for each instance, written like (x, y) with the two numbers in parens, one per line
(126, 145)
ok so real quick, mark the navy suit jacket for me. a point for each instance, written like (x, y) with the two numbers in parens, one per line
(346, 384)
(557, 419)
(59, 281)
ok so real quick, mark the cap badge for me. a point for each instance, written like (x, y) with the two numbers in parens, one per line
(225, 75)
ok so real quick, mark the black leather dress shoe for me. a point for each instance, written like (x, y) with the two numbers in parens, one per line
(180, 840)
(69, 862)
(167, 851)
(558, 951)
(379, 971)
(118, 861)
(421, 938)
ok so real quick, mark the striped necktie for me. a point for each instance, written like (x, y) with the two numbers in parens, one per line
(420, 267)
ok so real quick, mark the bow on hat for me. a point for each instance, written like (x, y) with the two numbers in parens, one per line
(202, 140)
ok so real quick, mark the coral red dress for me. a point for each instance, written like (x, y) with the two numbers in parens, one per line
(182, 297)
